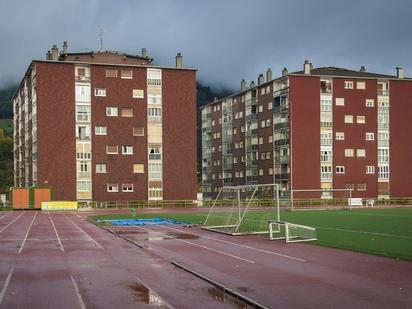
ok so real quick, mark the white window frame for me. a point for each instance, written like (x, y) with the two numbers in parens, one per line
(112, 187)
(348, 84)
(110, 109)
(99, 92)
(370, 169)
(126, 187)
(340, 169)
(127, 150)
(101, 168)
(100, 130)
(348, 118)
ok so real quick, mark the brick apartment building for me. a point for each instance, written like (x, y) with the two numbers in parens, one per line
(106, 126)
(317, 128)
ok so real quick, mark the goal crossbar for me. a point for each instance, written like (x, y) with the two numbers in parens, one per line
(322, 190)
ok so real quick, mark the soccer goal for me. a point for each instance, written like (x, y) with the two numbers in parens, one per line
(246, 209)
(291, 232)
(329, 198)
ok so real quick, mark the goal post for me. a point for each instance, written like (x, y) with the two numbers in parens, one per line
(291, 232)
(346, 201)
(245, 209)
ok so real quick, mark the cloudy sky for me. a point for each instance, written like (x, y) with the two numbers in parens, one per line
(227, 40)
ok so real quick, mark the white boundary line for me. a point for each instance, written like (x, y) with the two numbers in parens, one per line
(57, 234)
(204, 247)
(11, 222)
(27, 233)
(239, 245)
(6, 284)
(364, 232)
(88, 236)
(79, 296)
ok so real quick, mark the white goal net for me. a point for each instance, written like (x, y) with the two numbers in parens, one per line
(291, 232)
(246, 209)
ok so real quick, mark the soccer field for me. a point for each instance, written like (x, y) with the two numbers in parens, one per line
(386, 232)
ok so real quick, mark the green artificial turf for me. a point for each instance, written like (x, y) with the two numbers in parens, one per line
(386, 232)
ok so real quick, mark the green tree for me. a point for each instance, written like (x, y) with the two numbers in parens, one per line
(6, 164)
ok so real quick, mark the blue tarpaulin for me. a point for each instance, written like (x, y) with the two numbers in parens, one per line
(151, 221)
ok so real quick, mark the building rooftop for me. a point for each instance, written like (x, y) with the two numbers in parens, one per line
(336, 71)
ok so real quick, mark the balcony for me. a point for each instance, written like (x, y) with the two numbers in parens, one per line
(383, 93)
(85, 79)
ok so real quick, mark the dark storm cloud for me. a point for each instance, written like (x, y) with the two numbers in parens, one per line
(226, 39)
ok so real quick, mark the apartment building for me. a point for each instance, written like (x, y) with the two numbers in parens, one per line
(106, 126)
(319, 128)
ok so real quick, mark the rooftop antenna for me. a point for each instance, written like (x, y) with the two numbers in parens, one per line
(102, 31)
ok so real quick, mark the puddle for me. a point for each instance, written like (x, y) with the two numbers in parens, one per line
(182, 236)
(227, 299)
(145, 295)
(130, 232)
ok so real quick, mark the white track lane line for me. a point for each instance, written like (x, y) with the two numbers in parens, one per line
(79, 296)
(239, 245)
(2, 217)
(27, 234)
(55, 231)
(6, 284)
(11, 222)
(204, 247)
(78, 227)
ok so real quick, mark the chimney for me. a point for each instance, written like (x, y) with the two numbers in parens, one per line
(285, 71)
(269, 74)
(179, 60)
(261, 79)
(243, 85)
(362, 69)
(144, 52)
(48, 55)
(306, 67)
(65, 48)
(252, 84)
(55, 53)
(399, 72)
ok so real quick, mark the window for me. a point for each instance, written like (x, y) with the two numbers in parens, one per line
(213, 123)
(100, 92)
(370, 170)
(348, 119)
(270, 139)
(154, 98)
(325, 86)
(370, 103)
(241, 114)
(383, 172)
(383, 139)
(240, 144)
(155, 152)
(111, 111)
(340, 136)
(270, 105)
(263, 155)
(360, 119)
(262, 124)
(325, 105)
(111, 73)
(126, 74)
(361, 186)
(154, 115)
(370, 136)
(348, 85)
(112, 187)
(127, 150)
(340, 170)
(262, 91)
(270, 172)
(82, 113)
(138, 94)
(127, 187)
(260, 140)
(111, 149)
(139, 131)
(348, 153)
(326, 172)
(360, 153)
(100, 130)
(101, 168)
(83, 93)
(267, 122)
(234, 159)
(234, 131)
(126, 112)
(326, 138)
(83, 132)
(156, 193)
(260, 108)
(383, 155)
(84, 185)
(360, 85)
(154, 77)
(326, 156)
(268, 155)
(340, 101)
(260, 172)
(155, 170)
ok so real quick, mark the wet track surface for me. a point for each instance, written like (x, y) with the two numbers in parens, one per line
(59, 260)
